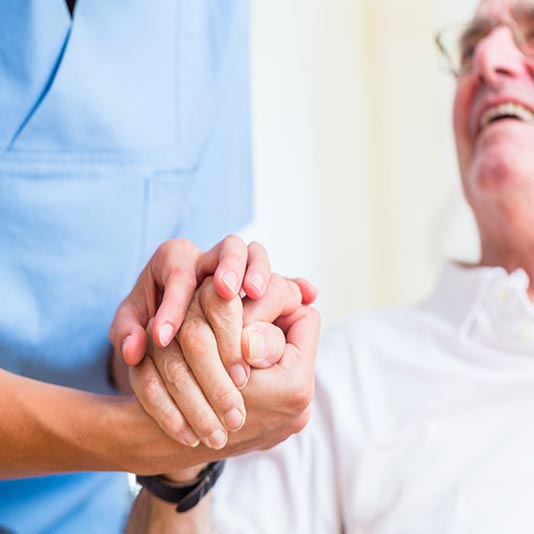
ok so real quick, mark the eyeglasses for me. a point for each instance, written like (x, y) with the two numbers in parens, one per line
(457, 44)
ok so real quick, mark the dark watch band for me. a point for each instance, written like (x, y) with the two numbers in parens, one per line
(185, 497)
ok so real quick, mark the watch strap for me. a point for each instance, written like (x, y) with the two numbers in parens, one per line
(184, 496)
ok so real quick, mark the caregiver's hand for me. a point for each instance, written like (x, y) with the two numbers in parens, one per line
(165, 287)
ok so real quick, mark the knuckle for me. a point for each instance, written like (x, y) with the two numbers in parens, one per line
(258, 246)
(177, 372)
(301, 398)
(185, 277)
(171, 247)
(207, 292)
(224, 315)
(207, 429)
(164, 249)
(223, 397)
(300, 422)
(203, 420)
(181, 243)
(174, 427)
(234, 258)
(151, 389)
(192, 335)
(233, 240)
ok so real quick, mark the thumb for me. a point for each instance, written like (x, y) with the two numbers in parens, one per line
(263, 344)
(127, 333)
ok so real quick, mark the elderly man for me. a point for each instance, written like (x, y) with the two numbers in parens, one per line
(422, 418)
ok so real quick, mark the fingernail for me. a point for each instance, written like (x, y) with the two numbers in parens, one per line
(239, 376)
(230, 280)
(217, 440)
(257, 281)
(190, 438)
(165, 333)
(234, 419)
(256, 346)
(124, 344)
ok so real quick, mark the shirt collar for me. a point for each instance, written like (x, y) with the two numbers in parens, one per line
(486, 304)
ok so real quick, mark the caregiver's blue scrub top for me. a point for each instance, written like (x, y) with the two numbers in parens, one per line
(120, 128)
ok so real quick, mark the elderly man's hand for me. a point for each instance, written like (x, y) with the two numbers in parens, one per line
(187, 387)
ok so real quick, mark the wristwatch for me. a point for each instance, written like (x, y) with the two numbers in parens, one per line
(184, 495)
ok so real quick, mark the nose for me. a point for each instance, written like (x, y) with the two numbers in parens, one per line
(497, 57)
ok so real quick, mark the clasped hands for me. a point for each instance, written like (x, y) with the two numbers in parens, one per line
(220, 351)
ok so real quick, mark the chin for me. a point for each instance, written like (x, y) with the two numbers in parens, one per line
(499, 186)
(503, 167)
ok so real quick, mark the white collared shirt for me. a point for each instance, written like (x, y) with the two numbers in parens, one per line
(423, 423)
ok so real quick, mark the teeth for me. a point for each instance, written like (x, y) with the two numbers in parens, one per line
(506, 110)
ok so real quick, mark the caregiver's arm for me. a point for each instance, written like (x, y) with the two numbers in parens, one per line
(52, 429)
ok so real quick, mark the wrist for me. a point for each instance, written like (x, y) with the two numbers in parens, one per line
(185, 495)
(142, 447)
(188, 475)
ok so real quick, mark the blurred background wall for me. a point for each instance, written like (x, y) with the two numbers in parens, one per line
(355, 171)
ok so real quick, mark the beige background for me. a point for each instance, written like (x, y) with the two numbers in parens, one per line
(356, 179)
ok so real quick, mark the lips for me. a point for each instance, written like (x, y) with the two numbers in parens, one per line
(504, 110)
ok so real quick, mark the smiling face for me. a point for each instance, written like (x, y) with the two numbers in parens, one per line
(494, 117)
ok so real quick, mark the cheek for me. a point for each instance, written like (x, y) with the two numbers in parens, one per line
(463, 101)
(461, 113)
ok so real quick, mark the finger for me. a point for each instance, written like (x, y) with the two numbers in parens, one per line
(283, 297)
(127, 332)
(151, 392)
(200, 351)
(184, 389)
(301, 329)
(290, 382)
(225, 318)
(173, 269)
(258, 271)
(263, 344)
(227, 262)
(307, 289)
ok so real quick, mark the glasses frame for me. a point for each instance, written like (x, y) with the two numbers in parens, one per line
(444, 51)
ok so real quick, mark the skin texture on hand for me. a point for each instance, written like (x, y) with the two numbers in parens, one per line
(277, 398)
(194, 394)
(52, 429)
(187, 387)
(166, 285)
